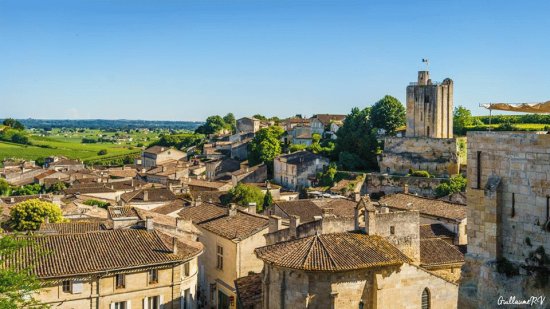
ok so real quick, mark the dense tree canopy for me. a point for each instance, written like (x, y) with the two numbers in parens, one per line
(216, 124)
(14, 124)
(244, 194)
(388, 114)
(453, 185)
(356, 145)
(462, 119)
(265, 146)
(28, 215)
(5, 187)
(180, 141)
(16, 283)
(230, 121)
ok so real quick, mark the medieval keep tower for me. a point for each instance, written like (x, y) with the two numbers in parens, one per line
(430, 108)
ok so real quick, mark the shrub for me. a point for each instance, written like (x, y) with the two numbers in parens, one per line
(420, 173)
(453, 185)
(28, 215)
(101, 204)
(102, 152)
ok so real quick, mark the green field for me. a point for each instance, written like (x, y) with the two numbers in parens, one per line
(69, 144)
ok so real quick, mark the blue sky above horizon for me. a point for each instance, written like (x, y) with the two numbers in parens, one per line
(185, 60)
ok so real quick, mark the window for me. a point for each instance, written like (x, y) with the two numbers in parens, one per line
(153, 276)
(119, 281)
(426, 299)
(513, 205)
(392, 230)
(119, 305)
(67, 286)
(153, 302)
(186, 270)
(219, 255)
(478, 176)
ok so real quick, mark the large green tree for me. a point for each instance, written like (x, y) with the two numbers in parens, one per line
(230, 122)
(214, 124)
(388, 114)
(265, 146)
(28, 215)
(356, 143)
(244, 194)
(462, 118)
(12, 123)
(17, 283)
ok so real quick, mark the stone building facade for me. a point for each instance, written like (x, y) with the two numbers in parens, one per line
(430, 108)
(248, 125)
(295, 170)
(157, 155)
(98, 270)
(509, 221)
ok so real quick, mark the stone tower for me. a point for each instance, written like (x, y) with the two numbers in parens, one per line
(430, 108)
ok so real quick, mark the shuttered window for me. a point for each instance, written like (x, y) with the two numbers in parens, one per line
(426, 299)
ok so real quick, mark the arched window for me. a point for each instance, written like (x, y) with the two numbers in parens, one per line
(426, 299)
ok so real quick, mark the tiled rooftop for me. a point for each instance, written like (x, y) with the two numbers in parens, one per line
(238, 227)
(437, 251)
(426, 206)
(64, 255)
(333, 252)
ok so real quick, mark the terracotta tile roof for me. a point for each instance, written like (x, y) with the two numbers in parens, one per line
(326, 119)
(207, 184)
(237, 227)
(64, 255)
(122, 212)
(307, 209)
(333, 252)
(249, 290)
(100, 188)
(71, 227)
(154, 195)
(22, 198)
(202, 212)
(426, 206)
(436, 230)
(173, 206)
(437, 251)
(156, 149)
(208, 196)
(300, 157)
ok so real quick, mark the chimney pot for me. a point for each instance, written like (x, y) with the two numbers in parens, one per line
(145, 196)
(406, 188)
(294, 223)
(232, 210)
(174, 245)
(149, 222)
(252, 208)
(275, 224)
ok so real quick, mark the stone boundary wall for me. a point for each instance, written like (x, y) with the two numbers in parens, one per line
(377, 183)
(438, 156)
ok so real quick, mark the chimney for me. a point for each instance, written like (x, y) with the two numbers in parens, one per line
(174, 245)
(145, 196)
(252, 208)
(132, 182)
(357, 196)
(198, 201)
(12, 200)
(328, 212)
(384, 209)
(370, 220)
(406, 188)
(149, 222)
(232, 210)
(47, 219)
(294, 222)
(275, 224)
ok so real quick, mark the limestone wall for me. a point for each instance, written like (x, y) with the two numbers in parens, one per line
(388, 184)
(401, 229)
(518, 207)
(438, 156)
(508, 204)
(390, 287)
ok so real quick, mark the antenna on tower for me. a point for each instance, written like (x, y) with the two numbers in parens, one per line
(427, 62)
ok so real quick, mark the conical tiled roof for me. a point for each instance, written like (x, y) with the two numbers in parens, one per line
(333, 252)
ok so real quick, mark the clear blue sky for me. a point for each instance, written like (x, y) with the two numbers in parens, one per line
(185, 60)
